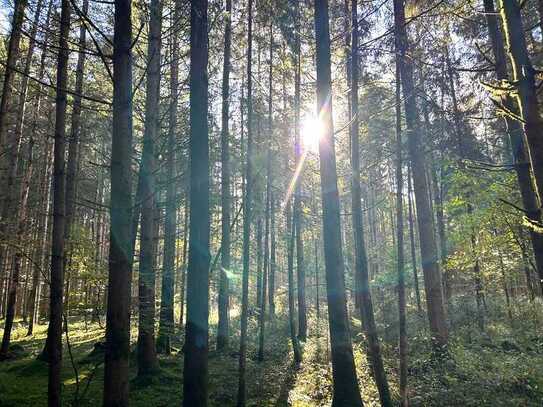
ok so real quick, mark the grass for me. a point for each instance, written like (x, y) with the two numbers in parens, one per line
(479, 371)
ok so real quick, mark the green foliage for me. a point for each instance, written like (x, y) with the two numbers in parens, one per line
(494, 225)
(502, 368)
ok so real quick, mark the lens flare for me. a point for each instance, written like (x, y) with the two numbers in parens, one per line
(312, 130)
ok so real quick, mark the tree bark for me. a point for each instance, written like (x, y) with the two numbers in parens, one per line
(166, 326)
(13, 281)
(400, 262)
(120, 233)
(273, 249)
(439, 192)
(73, 159)
(226, 200)
(20, 229)
(291, 236)
(11, 62)
(267, 207)
(298, 220)
(54, 333)
(10, 145)
(521, 158)
(412, 240)
(524, 83)
(41, 309)
(259, 232)
(430, 265)
(42, 224)
(247, 202)
(147, 358)
(184, 263)
(195, 391)
(363, 292)
(345, 385)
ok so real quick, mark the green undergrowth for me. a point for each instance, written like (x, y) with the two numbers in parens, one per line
(502, 367)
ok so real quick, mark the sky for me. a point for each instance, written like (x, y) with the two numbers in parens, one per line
(5, 10)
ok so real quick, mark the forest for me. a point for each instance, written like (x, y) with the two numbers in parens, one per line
(271, 203)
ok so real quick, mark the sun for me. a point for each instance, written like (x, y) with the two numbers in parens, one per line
(311, 131)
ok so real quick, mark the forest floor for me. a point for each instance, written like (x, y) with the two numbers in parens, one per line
(478, 371)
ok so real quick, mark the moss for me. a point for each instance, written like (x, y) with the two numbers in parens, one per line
(478, 372)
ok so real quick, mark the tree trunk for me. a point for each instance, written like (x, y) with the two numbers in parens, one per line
(259, 233)
(73, 159)
(120, 234)
(412, 241)
(54, 333)
(291, 235)
(22, 221)
(147, 358)
(11, 62)
(363, 292)
(400, 263)
(195, 391)
(463, 154)
(298, 221)
(267, 207)
(184, 263)
(98, 254)
(524, 82)
(273, 262)
(346, 391)
(13, 281)
(521, 158)
(39, 253)
(430, 266)
(247, 202)
(10, 145)
(21, 105)
(166, 327)
(317, 286)
(437, 190)
(224, 301)
(20, 229)
(439, 193)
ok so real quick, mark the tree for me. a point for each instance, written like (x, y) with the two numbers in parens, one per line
(297, 206)
(54, 333)
(412, 239)
(34, 294)
(11, 61)
(400, 263)
(346, 391)
(267, 206)
(428, 247)
(464, 151)
(519, 150)
(167, 323)
(247, 202)
(524, 86)
(147, 359)
(223, 330)
(273, 246)
(196, 342)
(117, 351)
(363, 292)
(291, 237)
(21, 213)
(73, 146)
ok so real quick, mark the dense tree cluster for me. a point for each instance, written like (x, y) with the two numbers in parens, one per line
(191, 177)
